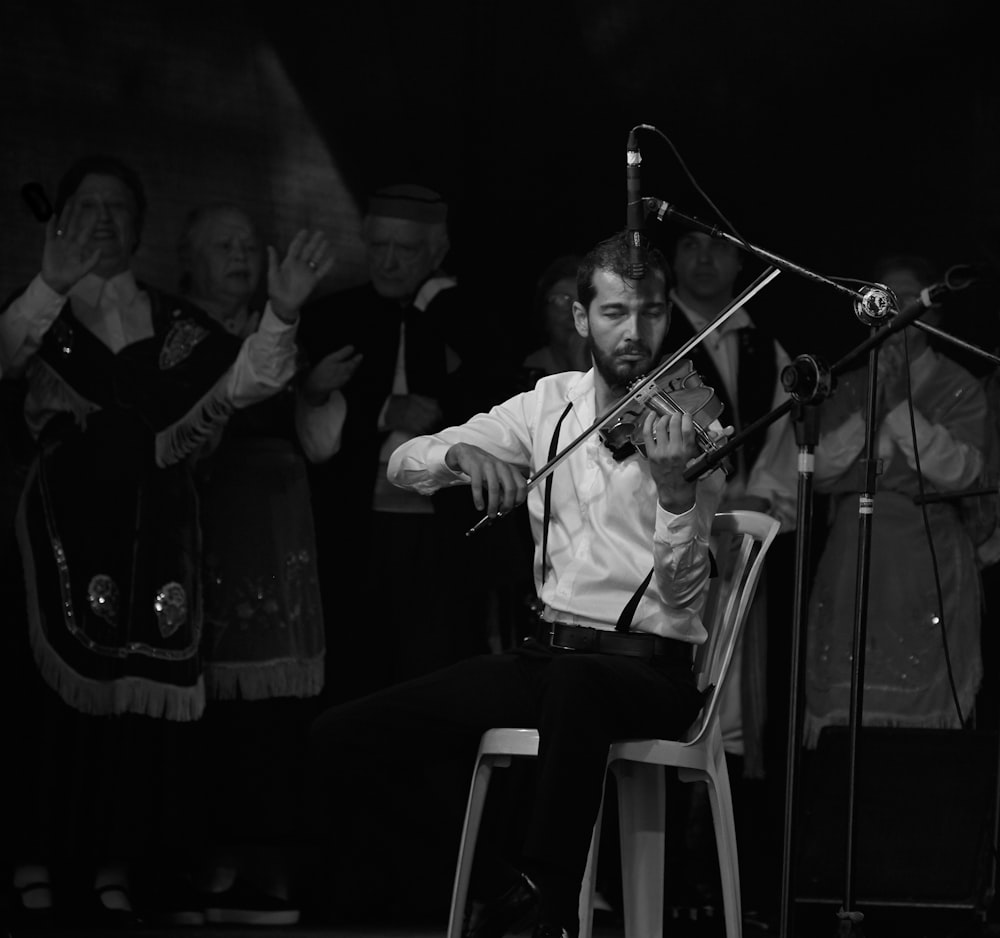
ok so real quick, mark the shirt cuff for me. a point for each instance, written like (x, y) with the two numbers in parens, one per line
(428, 472)
(897, 421)
(40, 295)
(272, 324)
(675, 528)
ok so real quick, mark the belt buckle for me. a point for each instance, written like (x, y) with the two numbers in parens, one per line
(552, 638)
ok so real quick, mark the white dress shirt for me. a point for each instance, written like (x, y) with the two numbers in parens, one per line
(606, 528)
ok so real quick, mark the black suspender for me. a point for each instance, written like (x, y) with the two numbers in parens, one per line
(625, 619)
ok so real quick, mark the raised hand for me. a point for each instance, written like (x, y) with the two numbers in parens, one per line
(331, 373)
(503, 483)
(65, 258)
(291, 281)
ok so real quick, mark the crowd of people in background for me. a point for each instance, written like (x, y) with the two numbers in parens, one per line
(210, 554)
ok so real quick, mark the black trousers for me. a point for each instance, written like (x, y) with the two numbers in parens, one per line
(579, 702)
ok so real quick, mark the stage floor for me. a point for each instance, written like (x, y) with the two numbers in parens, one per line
(810, 923)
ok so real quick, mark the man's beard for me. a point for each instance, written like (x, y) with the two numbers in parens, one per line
(618, 375)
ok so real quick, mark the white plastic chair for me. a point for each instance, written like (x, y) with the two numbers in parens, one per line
(740, 542)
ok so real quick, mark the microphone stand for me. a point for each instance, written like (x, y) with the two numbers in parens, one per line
(806, 420)
(809, 382)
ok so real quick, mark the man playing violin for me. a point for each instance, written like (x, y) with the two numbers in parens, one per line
(621, 568)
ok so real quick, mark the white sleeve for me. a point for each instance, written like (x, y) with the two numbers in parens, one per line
(839, 449)
(266, 361)
(948, 463)
(419, 464)
(320, 428)
(24, 323)
(265, 364)
(681, 550)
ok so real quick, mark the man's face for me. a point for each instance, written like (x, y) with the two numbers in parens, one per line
(706, 267)
(108, 204)
(401, 255)
(225, 257)
(625, 325)
(907, 287)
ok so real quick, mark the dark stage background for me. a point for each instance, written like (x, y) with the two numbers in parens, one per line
(825, 132)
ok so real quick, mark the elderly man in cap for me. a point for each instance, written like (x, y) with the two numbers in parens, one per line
(403, 331)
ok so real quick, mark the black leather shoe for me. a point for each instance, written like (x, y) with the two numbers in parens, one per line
(510, 912)
(35, 917)
(548, 930)
(97, 914)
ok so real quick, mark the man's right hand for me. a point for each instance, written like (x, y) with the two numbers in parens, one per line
(415, 414)
(65, 259)
(504, 484)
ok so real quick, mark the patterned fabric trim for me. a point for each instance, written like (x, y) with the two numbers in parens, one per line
(98, 698)
(51, 394)
(199, 425)
(129, 694)
(263, 680)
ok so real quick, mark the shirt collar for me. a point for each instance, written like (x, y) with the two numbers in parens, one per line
(739, 320)
(92, 288)
(582, 385)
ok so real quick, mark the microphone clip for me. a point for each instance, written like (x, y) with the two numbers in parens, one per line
(875, 305)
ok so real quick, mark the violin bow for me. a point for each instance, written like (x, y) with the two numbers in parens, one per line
(642, 390)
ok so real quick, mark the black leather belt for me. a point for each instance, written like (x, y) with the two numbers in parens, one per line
(609, 642)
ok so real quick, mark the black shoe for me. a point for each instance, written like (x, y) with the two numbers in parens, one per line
(98, 915)
(34, 917)
(510, 912)
(173, 900)
(548, 930)
(242, 904)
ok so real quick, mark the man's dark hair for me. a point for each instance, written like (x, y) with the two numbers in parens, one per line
(102, 165)
(613, 254)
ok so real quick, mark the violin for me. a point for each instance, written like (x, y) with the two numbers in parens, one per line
(678, 390)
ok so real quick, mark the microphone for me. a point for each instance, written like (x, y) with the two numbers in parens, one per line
(957, 277)
(37, 201)
(960, 276)
(635, 215)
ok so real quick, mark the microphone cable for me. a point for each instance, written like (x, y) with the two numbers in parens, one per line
(929, 535)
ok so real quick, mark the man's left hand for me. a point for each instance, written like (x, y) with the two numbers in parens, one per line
(291, 281)
(670, 445)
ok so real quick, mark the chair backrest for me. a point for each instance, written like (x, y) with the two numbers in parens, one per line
(740, 541)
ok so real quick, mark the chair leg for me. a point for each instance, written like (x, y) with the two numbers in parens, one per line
(721, 800)
(642, 817)
(467, 846)
(589, 884)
